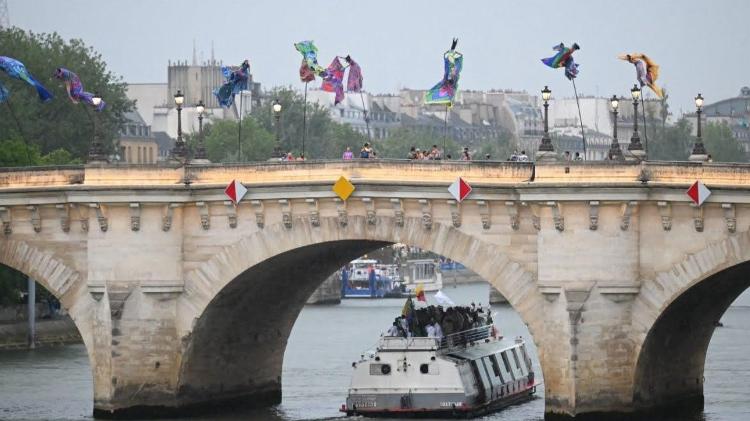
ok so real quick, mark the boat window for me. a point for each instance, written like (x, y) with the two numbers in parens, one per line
(380, 369)
(424, 368)
(505, 362)
(496, 367)
(515, 358)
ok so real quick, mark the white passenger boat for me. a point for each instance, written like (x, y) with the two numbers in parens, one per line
(425, 272)
(462, 375)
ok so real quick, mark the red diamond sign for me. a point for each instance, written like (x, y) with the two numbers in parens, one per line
(698, 193)
(459, 189)
(235, 191)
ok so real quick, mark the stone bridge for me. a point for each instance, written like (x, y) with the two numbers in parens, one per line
(186, 301)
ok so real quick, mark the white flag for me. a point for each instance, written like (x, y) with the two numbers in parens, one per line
(443, 299)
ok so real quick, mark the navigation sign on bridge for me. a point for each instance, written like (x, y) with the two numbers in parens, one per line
(698, 193)
(343, 188)
(459, 189)
(235, 191)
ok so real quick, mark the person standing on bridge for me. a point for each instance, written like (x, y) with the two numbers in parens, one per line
(348, 155)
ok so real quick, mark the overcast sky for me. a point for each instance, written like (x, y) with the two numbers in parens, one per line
(700, 45)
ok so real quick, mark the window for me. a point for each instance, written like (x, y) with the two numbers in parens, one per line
(496, 367)
(505, 362)
(515, 358)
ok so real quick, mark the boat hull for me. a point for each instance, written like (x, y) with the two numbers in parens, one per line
(455, 412)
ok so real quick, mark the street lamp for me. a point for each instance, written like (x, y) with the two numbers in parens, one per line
(635, 146)
(699, 151)
(545, 147)
(277, 118)
(179, 152)
(615, 153)
(96, 151)
(200, 151)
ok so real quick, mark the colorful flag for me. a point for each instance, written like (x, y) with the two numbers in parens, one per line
(236, 82)
(445, 90)
(75, 88)
(309, 67)
(354, 80)
(564, 58)
(408, 309)
(419, 292)
(646, 71)
(17, 70)
(333, 80)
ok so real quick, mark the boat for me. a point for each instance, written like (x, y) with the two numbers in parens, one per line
(367, 278)
(425, 272)
(462, 375)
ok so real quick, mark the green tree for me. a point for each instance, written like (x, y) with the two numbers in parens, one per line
(721, 144)
(398, 144)
(670, 143)
(59, 124)
(325, 138)
(221, 141)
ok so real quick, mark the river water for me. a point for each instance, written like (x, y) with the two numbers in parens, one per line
(55, 383)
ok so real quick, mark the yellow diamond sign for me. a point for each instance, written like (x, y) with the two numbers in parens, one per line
(343, 188)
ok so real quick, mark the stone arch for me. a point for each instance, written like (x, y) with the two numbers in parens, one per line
(266, 258)
(674, 317)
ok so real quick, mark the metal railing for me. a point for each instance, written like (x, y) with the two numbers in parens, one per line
(466, 337)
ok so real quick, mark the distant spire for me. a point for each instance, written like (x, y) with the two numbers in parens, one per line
(195, 55)
(213, 61)
(4, 16)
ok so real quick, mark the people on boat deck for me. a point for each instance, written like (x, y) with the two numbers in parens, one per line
(393, 330)
(436, 322)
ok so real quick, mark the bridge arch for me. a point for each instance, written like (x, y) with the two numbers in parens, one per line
(68, 285)
(234, 351)
(676, 313)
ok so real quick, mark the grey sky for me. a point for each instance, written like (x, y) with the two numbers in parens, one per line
(701, 46)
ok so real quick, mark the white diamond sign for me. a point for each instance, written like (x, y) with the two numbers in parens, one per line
(459, 189)
(235, 191)
(698, 193)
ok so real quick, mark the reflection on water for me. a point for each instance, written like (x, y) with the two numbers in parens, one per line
(55, 383)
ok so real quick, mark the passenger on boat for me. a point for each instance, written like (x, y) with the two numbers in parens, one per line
(430, 331)
(393, 330)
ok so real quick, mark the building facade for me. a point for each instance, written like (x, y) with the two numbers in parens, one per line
(136, 143)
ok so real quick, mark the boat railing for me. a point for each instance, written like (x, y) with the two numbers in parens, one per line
(465, 337)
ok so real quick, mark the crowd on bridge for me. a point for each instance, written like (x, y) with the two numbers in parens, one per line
(436, 322)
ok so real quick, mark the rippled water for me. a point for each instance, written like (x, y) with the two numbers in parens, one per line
(55, 383)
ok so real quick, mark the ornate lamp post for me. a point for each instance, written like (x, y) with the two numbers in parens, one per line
(96, 150)
(636, 148)
(699, 151)
(614, 150)
(546, 151)
(200, 151)
(277, 154)
(179, 152)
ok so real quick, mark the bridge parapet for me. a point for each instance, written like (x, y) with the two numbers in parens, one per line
(395, 172)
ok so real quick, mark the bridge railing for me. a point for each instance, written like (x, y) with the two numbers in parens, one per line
(378, 171)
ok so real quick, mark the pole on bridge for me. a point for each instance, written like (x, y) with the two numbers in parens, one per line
(31, 304)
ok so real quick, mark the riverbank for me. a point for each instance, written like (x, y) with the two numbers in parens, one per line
(49, 332)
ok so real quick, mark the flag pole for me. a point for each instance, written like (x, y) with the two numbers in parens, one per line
(20, 131)
(645, 131)
(239, 133)
(304, 120)
(364, 111)
(580, 118)
(445, 130)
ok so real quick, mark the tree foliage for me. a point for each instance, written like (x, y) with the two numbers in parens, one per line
(58, 124)
(325, 138)
(221, 141)
(675, 143)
